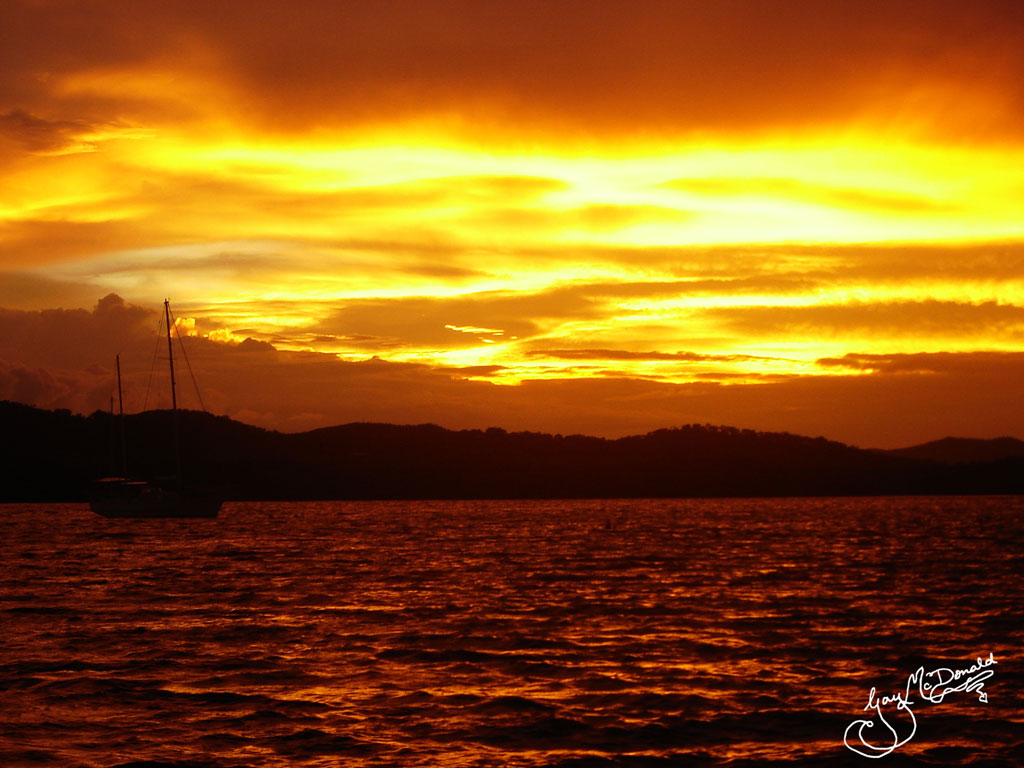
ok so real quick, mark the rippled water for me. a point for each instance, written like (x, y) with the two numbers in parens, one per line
(594, 633)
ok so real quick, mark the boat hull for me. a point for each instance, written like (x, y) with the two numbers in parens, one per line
(119, 498)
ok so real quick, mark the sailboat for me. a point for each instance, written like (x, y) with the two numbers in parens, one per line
(122, 497)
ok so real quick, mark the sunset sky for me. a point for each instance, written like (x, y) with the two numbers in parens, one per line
(596, 217)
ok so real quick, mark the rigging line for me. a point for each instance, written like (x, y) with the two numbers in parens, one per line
(181, 344)
(152, 365)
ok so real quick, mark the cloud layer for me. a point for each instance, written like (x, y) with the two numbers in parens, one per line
(736, 65)
(63, 359)
(597, 217)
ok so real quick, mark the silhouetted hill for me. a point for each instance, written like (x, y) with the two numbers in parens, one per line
(963, 450)
(55, 456)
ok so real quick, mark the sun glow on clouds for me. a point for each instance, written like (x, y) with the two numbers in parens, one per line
(458, 191)
(293, 232)
(851, 191)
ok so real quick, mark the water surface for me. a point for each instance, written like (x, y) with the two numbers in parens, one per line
(580, 633)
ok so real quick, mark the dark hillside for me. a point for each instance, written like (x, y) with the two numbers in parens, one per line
(964, 450)
(55, 456)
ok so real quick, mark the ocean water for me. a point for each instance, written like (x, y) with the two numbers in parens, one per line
(538, 633)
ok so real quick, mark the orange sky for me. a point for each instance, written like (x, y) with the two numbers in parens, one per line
(574, 217)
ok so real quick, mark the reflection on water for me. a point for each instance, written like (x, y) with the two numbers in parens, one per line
(593, 633)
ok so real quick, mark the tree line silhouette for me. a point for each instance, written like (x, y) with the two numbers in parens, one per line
(57, 456)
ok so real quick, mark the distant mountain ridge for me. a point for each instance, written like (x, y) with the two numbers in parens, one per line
(56, 456)
(964, 450)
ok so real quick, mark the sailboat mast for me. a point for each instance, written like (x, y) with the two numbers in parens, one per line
(170, 353)
(174, 393)
(120, 418)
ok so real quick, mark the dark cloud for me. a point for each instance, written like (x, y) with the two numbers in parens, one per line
(449, 322)
(581, 67)
(75, 339)
(381, 323)
(27, 290)
(883, 263)
(699, 66)
(436, 323)
(473, 371)
(755, 283)
(945, 363)
(774, 266)
(746, 376)
(929, 318)
(38, 135)
(32, 385)
(621, 354)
